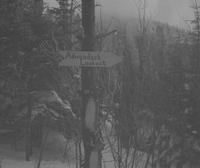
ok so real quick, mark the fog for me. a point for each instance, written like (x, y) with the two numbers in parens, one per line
(174, 12)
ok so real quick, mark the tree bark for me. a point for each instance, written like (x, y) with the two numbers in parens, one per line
(28, 147)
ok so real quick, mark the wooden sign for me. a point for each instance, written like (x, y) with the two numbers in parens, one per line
(89, 59)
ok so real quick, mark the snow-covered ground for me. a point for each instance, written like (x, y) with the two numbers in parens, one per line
(12, 159)
(10, 163)
(53, 155)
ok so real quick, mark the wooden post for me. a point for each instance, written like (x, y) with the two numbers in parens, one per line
(89, 107)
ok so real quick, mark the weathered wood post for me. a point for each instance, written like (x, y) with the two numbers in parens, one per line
(89, 107)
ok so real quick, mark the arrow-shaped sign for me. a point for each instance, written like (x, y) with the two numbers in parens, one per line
(89, 59)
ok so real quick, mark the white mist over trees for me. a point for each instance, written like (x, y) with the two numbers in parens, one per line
(173, 12)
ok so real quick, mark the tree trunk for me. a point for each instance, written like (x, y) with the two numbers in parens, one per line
(80, 153)
(28, 147)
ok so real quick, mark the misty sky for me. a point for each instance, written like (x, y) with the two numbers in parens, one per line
(174, 12)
